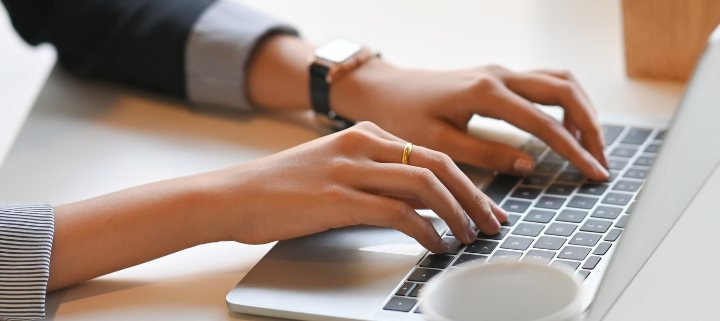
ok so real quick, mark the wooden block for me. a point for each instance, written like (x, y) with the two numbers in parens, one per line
(664, 38)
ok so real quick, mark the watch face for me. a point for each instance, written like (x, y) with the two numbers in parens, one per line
(337, 50)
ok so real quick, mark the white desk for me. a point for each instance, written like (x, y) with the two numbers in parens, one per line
(83, 140)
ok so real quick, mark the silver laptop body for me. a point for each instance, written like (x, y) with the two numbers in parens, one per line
(362, 272)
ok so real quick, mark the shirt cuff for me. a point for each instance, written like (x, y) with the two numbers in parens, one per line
(26, 236)
(217, 52)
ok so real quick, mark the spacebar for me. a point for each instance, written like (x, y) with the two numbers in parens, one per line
(501, 186)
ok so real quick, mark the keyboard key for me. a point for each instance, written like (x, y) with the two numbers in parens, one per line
(560, 189)
(454, 245)
(537, 256)
(652, 148)
(644, 161)
(627, 186)
(535, 151)
(571, 265)
(660, 135)
(416, 293)
(611, 133)
(636, 136)
(400, 304)
(437, 261)
(516, 243)
(602, 248)
(593, 188)
(617, 199)
(628, 151)
(582, 202)
(597, 226)
(537, 180)
(539, 216)
(528, 229)
(612, 177)
(406, 289)
(501, 187)
(638, 173)
(526, 192)
(470, 259)
(548, 168)
(572, 216)
(548, 202)
(554, 157)
(630, 208)
(622, 221)
(608, 212)
(505, 256)
(584, 274)
(574, 253)
(570, 177)
(498, 236)
(511, 220)
(585, 239)
(613, 235)
(617, 164)
(549, 243)
(423, 275)
(481, 247)
(591, 263)
(561, 229)
(516, 206)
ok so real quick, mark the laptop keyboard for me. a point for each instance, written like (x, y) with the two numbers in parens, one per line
(557, 216)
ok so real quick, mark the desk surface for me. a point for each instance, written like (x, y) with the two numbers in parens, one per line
(86, 139)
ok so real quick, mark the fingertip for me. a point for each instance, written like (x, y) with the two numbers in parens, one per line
(500, 214)
(523, 166)
(442, 247)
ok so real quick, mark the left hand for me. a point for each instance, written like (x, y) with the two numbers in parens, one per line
(433, 108)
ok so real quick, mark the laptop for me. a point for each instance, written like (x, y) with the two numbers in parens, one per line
(557, 217)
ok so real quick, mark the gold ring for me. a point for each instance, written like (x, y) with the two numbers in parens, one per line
(406, 153)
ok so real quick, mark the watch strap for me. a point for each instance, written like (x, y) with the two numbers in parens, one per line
(320, 97)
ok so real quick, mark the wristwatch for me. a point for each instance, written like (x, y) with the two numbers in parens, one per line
(332, 61)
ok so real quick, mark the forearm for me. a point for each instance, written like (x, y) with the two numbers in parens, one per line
(126, 228)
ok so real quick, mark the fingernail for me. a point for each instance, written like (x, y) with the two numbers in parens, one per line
(523, 166)
(473, 232)
(492, 220)
(443, 246)
(601, 170)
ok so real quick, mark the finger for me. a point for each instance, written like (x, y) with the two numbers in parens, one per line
(483, 153)
(523, 114)
(382, 211)
(548, 89)
(450, 178)
(420, 183)
(374, 129)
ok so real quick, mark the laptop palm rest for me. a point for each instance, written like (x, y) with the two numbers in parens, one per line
(350, 270)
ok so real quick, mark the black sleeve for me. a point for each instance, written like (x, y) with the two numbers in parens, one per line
(138, 42)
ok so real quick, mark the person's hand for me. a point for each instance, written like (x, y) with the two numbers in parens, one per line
(433, 109)
(347, 178)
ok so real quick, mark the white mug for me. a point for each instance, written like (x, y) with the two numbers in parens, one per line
(503, 292)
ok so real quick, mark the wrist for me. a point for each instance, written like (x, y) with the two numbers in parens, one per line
(277, 74)
(348, 94)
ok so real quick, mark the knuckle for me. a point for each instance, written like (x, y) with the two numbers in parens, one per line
(397, 213)
(424, 176)
(355, 137)
(484, 84)
(366, 125)
(565, 74)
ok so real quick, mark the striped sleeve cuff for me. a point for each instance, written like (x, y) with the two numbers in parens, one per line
(26, 235)
(218, 49)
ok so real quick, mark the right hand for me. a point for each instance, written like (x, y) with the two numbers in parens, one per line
(348, 178)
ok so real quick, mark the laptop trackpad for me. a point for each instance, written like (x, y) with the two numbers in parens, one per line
(346, 272)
